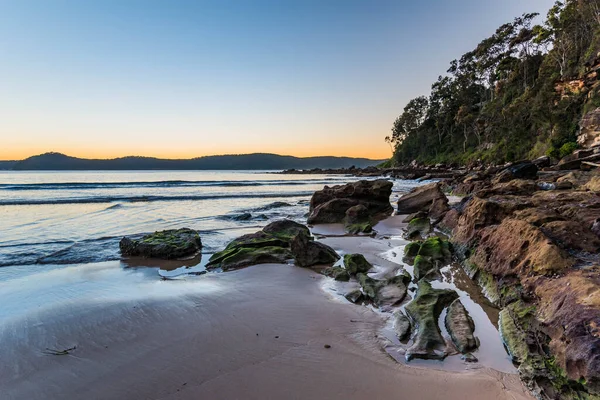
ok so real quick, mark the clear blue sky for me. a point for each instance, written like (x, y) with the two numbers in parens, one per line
(175, 78)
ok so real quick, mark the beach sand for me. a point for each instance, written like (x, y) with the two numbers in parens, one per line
(257, 333)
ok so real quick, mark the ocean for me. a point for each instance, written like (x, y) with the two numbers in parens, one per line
(59, 218)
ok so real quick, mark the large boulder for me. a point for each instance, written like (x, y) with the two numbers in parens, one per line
(331, 204)
(425, 311)
(358, 220)
(168, 245)
(520, 170)
(423, 198)
(278, 243)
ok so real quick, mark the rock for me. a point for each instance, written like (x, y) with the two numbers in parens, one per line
(401, 325)
(418, 227)
(358, 220)
(337, 273)
(589, 129)
(308, 253)
(423, 266)
(412, 249)
(437, 249)
(242, 217)
(278, 242)
(169, 244)
(420, 199)
(417, 215)
(542, 162)
(461, 327)
(384, 293)
(424, 311)
(469, 357)
(354, 296)
(356, 264)
(515, 187)
(572, 235)
(568, 164)
(331, 204)
(439, 208)
(520, 170)
(449, 222)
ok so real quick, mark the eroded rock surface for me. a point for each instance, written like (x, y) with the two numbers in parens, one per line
(461, 327)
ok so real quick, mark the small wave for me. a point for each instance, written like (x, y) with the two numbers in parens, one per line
(136, 199)
(271, 206)
(155, 184)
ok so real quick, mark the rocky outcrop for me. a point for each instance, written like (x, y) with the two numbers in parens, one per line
(589, 129)
(532, 246)
(169, 244)
(278, 242)
(425, 311)
(356, 264)
(423, 198)
(333, 204)
(461, 327)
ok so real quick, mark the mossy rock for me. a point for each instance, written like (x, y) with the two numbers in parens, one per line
(424, 311)
(418, 227)
(354, 296)
(437, 249)
(412, 249)
(169, 244)
(384, 293)
(423, 266)
(356, 263)
(286, 230)
(358, 228)
(370, 286)
(402, 325)
(460, 325)
(337, 273)
(244, 257)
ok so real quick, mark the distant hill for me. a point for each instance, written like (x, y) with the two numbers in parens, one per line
(7, 164)
(257, 161)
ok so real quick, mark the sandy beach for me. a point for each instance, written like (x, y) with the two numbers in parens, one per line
(259, 333)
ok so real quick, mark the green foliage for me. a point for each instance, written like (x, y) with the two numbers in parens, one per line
(567, 149)
(499, 102)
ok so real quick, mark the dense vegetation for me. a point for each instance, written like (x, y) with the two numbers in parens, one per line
(505, 100)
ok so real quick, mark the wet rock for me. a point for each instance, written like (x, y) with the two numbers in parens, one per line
(461, 327)
(542, 162)
(417, 215)
(169, 244)
(242, 217)
(420, 199)
(412, 249)
(418, 227)
(384, 293)
(401, 325)
(370, 286)
(424, 311)
(354, 296)
(469, 357)
(515, 187)
(337, 273)
(423, 266)
(278, 242)
(356, 264)
(331, 204)
(308, 253)
(437, 249)
(449, 222)
(439, 208)
(358, 220)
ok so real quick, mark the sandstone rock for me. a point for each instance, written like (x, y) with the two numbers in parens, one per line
(572, 235)
(358, 220)
(461, 327)
(417, 215)
(589, 129)
(169, 244)
(330, 204)
(520, 170)
(420, 199)
(424, 311)
(449, 222)
(515, 187)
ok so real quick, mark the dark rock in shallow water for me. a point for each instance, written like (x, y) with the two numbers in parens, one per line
(169, 244)
(461, 327)
(358, 220)
(337, 273)
(331, 204)
(242, 217)
(401, 325)
(308, 252)
(356, 263)
(424, 311)
(278, 242)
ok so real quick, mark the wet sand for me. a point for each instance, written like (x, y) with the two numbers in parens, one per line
(258, 333)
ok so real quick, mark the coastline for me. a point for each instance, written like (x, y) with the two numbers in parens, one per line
(204, 344)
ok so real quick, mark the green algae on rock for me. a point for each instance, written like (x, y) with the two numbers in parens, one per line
(425, 311)
(169, 244)
(418, 227)
(401, 325)
(356, 263)
(337, 273)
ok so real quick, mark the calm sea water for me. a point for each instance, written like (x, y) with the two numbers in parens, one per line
(79, 217)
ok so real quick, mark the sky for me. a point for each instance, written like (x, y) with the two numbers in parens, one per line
(180, 79)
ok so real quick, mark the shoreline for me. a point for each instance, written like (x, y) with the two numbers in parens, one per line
(204, 344)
